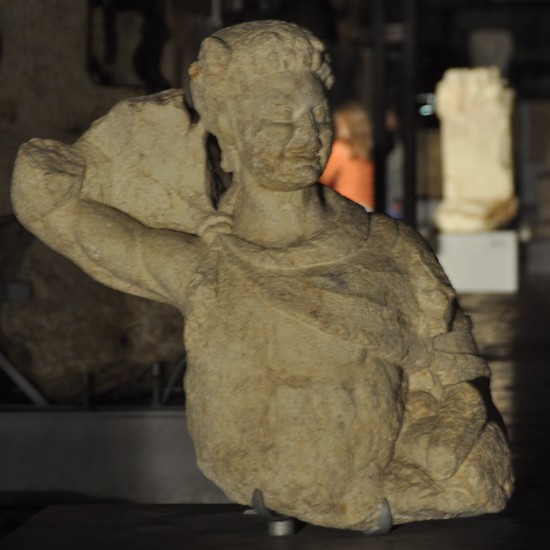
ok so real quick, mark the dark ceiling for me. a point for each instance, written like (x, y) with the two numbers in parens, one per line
(444, 27)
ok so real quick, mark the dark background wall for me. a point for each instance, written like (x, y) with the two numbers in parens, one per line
(63, 64)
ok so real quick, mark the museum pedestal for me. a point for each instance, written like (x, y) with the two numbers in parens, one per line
(480, 262)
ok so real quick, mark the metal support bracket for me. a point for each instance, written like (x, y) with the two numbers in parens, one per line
(278, 524)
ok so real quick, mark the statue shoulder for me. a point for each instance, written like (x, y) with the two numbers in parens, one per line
(421, 271)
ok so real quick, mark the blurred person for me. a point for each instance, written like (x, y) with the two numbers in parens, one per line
(350, 170)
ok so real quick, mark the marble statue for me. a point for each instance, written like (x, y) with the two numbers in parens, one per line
(475, 109)
(330, 369)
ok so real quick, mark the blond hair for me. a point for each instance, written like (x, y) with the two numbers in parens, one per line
(353, 117)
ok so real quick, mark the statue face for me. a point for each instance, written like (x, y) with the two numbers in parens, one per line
(284, 130)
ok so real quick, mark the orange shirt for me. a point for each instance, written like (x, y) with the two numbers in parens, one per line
(350, 176)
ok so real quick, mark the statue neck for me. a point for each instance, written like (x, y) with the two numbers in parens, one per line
(273, 218)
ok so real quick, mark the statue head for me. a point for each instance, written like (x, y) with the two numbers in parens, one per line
(255, 86)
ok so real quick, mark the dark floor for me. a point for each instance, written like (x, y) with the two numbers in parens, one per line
(513, 333)
(205, 527)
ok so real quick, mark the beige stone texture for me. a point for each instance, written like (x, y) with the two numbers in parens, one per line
(475, 109)
(329, 366)
(541, 226)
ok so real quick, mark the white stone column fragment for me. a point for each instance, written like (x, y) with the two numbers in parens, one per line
(475, 109)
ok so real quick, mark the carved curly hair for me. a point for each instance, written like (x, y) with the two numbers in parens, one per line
(233, 54)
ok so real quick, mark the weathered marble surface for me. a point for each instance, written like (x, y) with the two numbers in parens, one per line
(475, 108)
(329, 365)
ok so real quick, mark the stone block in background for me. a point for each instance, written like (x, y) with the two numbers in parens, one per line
(475, 108)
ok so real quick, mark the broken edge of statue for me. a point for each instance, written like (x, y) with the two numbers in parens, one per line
(329, 366)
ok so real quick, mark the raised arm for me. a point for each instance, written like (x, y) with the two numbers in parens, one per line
(109, 245)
